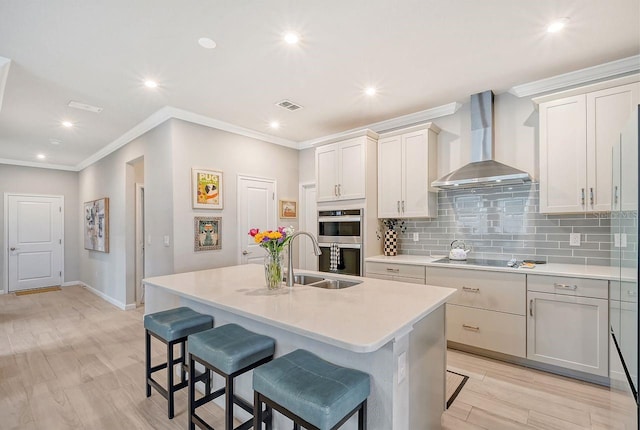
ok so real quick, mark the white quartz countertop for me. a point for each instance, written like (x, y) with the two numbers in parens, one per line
(361, 318)
(551, 269)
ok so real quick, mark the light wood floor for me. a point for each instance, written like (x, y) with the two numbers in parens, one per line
(70, 360)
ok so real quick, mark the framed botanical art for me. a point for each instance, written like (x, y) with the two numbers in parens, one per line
(96, 225)
(207, 188)
(207, 235)
(288, 209)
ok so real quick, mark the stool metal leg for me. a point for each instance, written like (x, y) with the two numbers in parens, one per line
(170, 378)
(228, 392)
(183, 361)
(257, 412)
(192, 391)
(269, 422)
(147, 342)
(362, 416)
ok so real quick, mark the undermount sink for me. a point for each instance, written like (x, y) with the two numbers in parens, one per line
(320, 282)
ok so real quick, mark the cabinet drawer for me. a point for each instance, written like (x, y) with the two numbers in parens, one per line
(504, 292)
(495, 331)
(404, 270)
(578, 287)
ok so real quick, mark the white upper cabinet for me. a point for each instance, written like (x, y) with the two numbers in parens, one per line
(341, 169)
(407, 164)
(577, 134)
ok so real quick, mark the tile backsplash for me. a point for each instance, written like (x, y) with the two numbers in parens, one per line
(503, 222)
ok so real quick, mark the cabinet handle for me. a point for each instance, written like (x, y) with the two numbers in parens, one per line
(565, 286)
(631, 293)
(531, 307)
(389, 269)
(339, 190)
(591, 195)
(335, 190)
(583, 196)
(615, 195)
(398, 206)
(471, 327)
(403, 206)
(471, 290)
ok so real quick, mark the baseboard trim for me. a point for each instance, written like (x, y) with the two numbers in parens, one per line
(106, 298)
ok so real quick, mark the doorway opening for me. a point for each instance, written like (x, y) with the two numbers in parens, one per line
(135, 232)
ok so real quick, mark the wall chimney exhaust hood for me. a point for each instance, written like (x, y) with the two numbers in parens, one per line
(483, 170)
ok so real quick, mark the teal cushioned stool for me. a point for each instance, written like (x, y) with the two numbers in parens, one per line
(172, 327)
(314, 393)
(230, 351)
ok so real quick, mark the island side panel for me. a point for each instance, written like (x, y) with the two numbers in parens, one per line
(427, 371)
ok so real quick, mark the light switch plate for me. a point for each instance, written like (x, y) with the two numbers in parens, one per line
(416, 237)
(616, 240)
(166, 241)
(402, 367)
(574, 239)
(623, 240)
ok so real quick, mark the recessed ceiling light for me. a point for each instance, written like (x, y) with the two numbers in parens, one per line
(557, 25)
(370, 91)
(291, 38)
(150, 84)
(207, 43)
(67, 124)
(274, 124)
(41, 156)
(55, 141)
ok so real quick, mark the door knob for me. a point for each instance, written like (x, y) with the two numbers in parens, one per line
(245, 252)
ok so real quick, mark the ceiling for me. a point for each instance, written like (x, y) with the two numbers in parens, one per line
(419, 54)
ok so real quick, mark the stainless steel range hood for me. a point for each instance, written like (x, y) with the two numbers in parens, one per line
(483, 170)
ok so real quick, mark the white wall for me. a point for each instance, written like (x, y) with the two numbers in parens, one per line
(307, 165)
(204, 147)
(31, 180)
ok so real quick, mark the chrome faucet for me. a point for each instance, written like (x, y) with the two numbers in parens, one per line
(316, 251)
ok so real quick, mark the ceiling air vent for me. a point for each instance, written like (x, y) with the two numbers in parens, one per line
(289, 105)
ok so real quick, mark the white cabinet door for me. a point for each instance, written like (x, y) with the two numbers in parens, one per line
(389, 177)
(351, 174)
(563, 159)
(607, 112)
(570, 332)
(327, 173)
(415, 178)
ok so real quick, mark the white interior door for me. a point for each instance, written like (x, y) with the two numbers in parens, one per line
(35, 249)
(256, 209)
(308, 222)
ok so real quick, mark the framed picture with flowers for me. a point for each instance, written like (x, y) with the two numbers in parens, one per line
(207, 234)
(288, 209)
(207, 188)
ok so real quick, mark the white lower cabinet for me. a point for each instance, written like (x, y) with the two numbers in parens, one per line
(409, 273)
(568, 330)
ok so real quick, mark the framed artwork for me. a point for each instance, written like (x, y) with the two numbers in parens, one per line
(288, 209)
(96, 225)
(207, 235)
(206, 189)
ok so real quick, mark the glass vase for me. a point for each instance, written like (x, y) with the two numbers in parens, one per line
(273, 271)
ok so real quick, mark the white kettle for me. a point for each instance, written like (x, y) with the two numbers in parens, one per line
(458, 250)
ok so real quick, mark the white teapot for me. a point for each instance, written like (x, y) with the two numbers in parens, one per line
(458, 250)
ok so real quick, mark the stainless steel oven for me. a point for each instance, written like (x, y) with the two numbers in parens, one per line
(340, 238)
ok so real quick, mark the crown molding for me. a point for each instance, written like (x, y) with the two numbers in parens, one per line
(38, 165)
(578, 77)
(388, 125)
(5, 63)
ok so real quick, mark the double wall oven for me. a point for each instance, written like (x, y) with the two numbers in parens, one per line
(340, 235)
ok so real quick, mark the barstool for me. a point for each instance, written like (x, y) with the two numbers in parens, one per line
(230, 351)
(171, 327)
(312, 392)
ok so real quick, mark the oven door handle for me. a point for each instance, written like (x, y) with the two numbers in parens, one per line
(339, 219)
(342, 245)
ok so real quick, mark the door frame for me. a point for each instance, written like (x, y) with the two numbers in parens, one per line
(304, 187)
(239, 178)
(5, 263)
(140, 244)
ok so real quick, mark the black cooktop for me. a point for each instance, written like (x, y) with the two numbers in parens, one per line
(474, 262)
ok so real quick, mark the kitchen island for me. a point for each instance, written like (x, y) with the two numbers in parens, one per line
(393, 331)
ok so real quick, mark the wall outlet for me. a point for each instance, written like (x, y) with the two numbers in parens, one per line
(574, 239)
(623, 240)
(166, 240)
(616, 240)
(416, 237)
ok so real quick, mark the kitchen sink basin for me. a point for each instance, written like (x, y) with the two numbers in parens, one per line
(320, 282)
(334, 284)
(303, 279)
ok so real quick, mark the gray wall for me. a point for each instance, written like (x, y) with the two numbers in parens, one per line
(31, 180)
(204, 147)
(503, 222)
